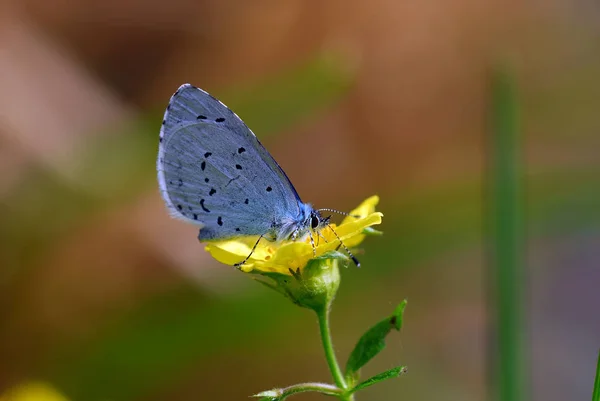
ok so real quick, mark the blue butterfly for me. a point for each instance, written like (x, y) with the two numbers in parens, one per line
(213, 172)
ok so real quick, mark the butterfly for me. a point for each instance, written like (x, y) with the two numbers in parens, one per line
(214, 172)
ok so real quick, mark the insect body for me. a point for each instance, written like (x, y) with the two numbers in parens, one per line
(213, 172)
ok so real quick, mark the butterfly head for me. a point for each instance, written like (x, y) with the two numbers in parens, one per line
(317, 221)
(314, 222)
(311, 219)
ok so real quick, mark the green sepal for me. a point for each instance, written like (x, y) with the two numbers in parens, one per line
(372, 231)
(372, 343)
(329, 255)
(313, 286)
(388, 374)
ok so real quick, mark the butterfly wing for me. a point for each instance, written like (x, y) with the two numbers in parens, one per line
(213, 171)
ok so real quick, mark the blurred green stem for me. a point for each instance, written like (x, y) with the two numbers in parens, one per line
(334, 367)
(508, 278)
(596, 394)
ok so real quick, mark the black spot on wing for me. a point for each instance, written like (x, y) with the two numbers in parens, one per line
(203, 207)
(220, 221)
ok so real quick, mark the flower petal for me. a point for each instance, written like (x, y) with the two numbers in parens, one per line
(351, 233)
(281, 257)
(364, 209)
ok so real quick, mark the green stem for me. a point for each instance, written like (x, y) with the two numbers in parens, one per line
(596, 394)
(508, 273)
(334, 367)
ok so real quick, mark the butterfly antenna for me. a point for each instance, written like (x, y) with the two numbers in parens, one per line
(238, 265)
(338, 212)
(356, 262)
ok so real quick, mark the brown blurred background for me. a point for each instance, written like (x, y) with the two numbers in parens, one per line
(104, 297)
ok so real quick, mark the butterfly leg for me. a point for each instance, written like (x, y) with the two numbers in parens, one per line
(321, 236)
(238, 265)
(356, 262)
(312, 242)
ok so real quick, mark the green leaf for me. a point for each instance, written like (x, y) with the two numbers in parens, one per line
(373, 342)
(596, 394)
(279, 394)
(268, 395)
(388, 374)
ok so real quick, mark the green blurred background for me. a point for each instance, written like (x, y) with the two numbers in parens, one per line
(104, 297)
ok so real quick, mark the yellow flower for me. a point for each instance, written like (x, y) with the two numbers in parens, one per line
(280, 257)
(33, 391)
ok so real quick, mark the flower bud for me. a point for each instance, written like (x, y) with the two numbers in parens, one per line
(315, 285)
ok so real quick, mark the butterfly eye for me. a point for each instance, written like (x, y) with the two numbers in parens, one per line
(314, 222)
